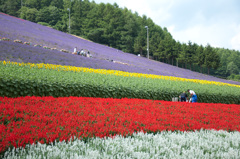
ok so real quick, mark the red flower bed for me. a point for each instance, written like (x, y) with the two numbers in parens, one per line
(44, 119)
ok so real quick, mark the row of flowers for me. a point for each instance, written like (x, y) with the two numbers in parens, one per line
(4, 39)
(36, 45)
(20, 41)
(16, 41)
(27, 120)
(195, 144)
(118, 73)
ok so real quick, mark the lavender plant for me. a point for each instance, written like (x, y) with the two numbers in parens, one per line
(104, 57)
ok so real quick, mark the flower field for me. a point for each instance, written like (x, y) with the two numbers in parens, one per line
(116, 72)
(28, 120)
(93, 127)
(120, 125)
(38, 35)
(54, 104)
(194, 144)
(21, 79)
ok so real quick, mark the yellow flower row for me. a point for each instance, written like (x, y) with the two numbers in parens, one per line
(117, 73)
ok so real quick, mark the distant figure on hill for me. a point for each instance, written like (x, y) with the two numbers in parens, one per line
(183, 97)
(75, 51)
(193, 96)
(88, 54)
(82, 52)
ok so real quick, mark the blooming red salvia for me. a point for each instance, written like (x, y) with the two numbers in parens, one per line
(27, 120)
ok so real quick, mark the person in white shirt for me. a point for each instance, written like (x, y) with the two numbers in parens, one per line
(75, 50)
(193, 96)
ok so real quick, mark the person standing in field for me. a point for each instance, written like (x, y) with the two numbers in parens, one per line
(193, 96)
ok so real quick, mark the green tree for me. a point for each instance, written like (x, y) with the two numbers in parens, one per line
(57, 3)
(31, 14)
(85, 21)
(11, 7)
(212, 59)
(22, 12)
(1, 3)
(115, 23)
(100, 23)
(223, 54)
(183, 55)
(160, 52)
(34, 4)
(176, 50)
(139, 43)
(129, 31)
(190, 51)
(199, 57)
(54, 16)
(234, 56)
(76, 18)
(167, 48)
(50, 15)
(43, 15)
(155, 39)
(44, 3)
(95, 24)
(232, 68)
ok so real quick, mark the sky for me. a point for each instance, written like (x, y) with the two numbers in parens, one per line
(214, 22)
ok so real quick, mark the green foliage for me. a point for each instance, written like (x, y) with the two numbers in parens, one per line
(33, 3)
(234, 77)
(96, 35)
(43, 23)
(230, 62)
(31, 14)
(28, 13)
(232, 68)
(199, 57)
(25, 81)
(211, 58)
(50, 15)
(10, 7)
(57, 3)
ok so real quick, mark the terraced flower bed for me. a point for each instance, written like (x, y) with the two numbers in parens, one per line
(14, 28)
(20, 79)
(57, 127)
(103, 109)
(28, 120)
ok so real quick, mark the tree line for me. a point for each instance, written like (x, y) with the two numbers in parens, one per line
(122, 29)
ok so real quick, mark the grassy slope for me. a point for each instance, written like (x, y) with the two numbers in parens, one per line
(15, 28)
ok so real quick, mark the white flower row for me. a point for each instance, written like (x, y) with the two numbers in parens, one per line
(183, 145)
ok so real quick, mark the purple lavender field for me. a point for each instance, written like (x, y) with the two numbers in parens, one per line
(104, 57)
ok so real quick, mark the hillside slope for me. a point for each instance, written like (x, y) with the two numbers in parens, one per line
(104, 57)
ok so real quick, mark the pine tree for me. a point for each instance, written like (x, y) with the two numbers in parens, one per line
(212, 59)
